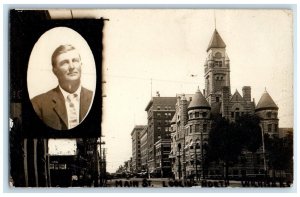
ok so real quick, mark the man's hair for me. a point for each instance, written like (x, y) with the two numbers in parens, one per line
(59, 50)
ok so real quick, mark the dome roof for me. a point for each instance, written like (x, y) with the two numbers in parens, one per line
(266, 102)
(198, 101)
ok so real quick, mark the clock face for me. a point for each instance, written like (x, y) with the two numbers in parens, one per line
(218, 55)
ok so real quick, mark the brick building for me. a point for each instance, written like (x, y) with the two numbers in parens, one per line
(144, 149)
(136, 147)
(160, 111)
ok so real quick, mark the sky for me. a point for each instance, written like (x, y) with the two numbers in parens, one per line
(168, 46)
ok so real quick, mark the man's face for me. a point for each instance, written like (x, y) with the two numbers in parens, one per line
(68, 67)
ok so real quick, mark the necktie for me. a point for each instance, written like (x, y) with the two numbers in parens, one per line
(72, 113)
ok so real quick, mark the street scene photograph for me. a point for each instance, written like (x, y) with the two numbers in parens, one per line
(152, 98)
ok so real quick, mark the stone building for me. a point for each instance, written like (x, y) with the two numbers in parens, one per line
(192, 121)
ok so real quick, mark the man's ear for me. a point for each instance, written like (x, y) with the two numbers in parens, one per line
(54, 71)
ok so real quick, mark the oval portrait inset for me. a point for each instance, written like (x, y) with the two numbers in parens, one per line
(61, 78)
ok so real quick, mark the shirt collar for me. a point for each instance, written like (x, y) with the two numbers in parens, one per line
(65, 93)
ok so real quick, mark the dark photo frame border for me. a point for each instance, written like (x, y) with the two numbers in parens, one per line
(26, 27)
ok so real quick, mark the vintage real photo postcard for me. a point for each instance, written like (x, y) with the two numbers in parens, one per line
(154, 98)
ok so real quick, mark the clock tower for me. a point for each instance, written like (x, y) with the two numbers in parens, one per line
(216, 69)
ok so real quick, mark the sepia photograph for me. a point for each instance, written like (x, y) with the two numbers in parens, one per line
(161, 98)
(50, 65)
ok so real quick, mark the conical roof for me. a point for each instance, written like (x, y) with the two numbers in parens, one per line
(198, 101)
(266, 102)
(226, 57)
(173, 121)
(216, 41)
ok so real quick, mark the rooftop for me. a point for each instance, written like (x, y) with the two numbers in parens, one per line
(216, 41)
(266, 102)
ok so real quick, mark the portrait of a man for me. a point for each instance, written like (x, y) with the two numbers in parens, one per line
(65, 106)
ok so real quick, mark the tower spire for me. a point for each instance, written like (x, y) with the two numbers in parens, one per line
(215, 19)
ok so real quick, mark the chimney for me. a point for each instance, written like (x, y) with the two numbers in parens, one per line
(247, 93)
(183, 111)
(225, 102)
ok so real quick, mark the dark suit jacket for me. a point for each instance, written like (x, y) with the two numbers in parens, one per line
(50, 107)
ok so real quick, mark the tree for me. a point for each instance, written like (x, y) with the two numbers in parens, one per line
(280, 152)
(251, 132)
(225, 143)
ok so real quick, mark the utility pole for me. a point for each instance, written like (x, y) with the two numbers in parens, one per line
(202, 158)
(264, 152)
(195, 156)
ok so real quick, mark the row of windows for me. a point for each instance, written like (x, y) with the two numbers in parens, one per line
(196, 128)
(167, 129)
(166, 107)
(218, 63)
(166, 122)
(197, 115)
(275, 128)
(166, 115)
(219, 78)
(236, 114)
(269, 114)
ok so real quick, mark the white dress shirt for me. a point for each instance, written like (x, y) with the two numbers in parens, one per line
(76, 104)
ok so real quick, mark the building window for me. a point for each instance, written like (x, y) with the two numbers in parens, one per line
(276, 128)
(217, 99)
(269, 114)
(269, 128)
(218, 63)
(196, 114)
(166, 108)
(204, 114)
(197, 128)
(158, 115)
(158, 107)
(232, 114)
(204, 128)
(191, 129)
